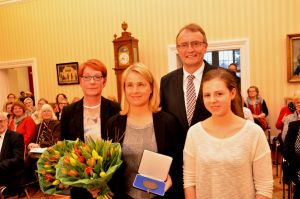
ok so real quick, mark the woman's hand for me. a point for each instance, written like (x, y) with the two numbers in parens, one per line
(94, 192)
(168, 183)
(33, 145)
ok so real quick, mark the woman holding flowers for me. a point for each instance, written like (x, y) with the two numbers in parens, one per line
(142, 125)
(87, 117)
(226, 156)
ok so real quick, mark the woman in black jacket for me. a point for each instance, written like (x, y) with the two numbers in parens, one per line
(141, 125)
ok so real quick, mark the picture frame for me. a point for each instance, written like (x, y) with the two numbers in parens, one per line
(67, 73)
(293, 57)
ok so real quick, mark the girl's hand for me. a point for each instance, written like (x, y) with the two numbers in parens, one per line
(168, 183)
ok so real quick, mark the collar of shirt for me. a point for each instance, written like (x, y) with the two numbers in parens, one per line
(1, 139)
(197, 81)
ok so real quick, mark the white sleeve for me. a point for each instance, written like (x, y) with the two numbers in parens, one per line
(262, 168)
(189, 170)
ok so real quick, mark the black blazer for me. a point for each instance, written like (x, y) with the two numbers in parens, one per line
(289, 148)
(72, 128)
(72, 118)
(166, 133)
(11, 158)
(172, 99)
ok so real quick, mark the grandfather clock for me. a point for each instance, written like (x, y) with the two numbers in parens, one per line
(126, 53)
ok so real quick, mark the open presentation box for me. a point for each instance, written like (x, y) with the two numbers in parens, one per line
(153, 172)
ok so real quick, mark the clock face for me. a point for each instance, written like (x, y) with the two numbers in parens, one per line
(123, 55)
(123, 58)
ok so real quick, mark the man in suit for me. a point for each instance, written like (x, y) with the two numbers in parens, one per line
(191, 44)
(11, 156)
(87, 117)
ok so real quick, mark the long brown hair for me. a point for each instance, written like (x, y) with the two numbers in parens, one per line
(231, 83)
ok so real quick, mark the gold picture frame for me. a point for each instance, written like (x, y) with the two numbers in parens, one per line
(293, 57)
(67, 73)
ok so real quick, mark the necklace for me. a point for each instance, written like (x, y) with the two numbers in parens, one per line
(91, 107)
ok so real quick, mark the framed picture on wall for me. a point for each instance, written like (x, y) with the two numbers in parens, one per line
(293, 57)
(67, 73)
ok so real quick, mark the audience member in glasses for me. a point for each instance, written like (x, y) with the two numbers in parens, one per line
(61, 105)
(11, 97)
(11, 158)
(48, 130)
(30, 108)
(36, 116)
(87, 117)
(59, 97)
(292, 117)
(191, 44)
(258, 107)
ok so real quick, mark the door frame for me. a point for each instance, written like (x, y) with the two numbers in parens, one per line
(25, 63)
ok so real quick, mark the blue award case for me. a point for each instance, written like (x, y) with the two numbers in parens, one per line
(153, 172)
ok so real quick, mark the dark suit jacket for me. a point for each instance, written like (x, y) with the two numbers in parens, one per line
(172, 99)
(166, 133)
(11, 158)
(72, 128)
(289, 148)
(72, 118)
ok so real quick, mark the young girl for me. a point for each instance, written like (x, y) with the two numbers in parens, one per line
(226, 156)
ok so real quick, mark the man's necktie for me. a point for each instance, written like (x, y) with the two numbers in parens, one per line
(190, 98)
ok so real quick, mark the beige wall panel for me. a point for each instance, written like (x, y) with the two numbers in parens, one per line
(58, 31)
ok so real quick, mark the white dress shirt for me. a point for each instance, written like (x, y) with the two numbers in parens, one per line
(197, 81)
(1, 139)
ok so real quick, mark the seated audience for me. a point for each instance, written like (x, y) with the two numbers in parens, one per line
(48, 130)
(285, 111)
(142, 125)
(30, 108)
(22, 96)
(58, 99)
(12, 156)
(22, 123)
(292, 117)
(291, 152)
(61, 105)
(258, 107)
(36, 116)
(7, 109)
(11, 97)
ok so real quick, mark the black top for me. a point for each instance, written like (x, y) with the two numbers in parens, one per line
(166, 133)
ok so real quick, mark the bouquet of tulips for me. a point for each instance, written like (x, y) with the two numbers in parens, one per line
(47, 165)
(87, 165)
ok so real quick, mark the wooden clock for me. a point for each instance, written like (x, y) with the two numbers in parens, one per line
(126, 53)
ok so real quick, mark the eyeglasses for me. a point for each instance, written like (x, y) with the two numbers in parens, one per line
(89, 78)
(193, 44)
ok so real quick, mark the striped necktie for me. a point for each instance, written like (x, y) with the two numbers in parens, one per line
(190, 98)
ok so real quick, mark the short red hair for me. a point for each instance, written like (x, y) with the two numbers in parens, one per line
(94, 64)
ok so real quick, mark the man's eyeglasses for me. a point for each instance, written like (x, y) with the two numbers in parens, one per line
(194, 45)
(89, 78)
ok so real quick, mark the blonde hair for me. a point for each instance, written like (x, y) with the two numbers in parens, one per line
(48, 107)
(154, 99)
